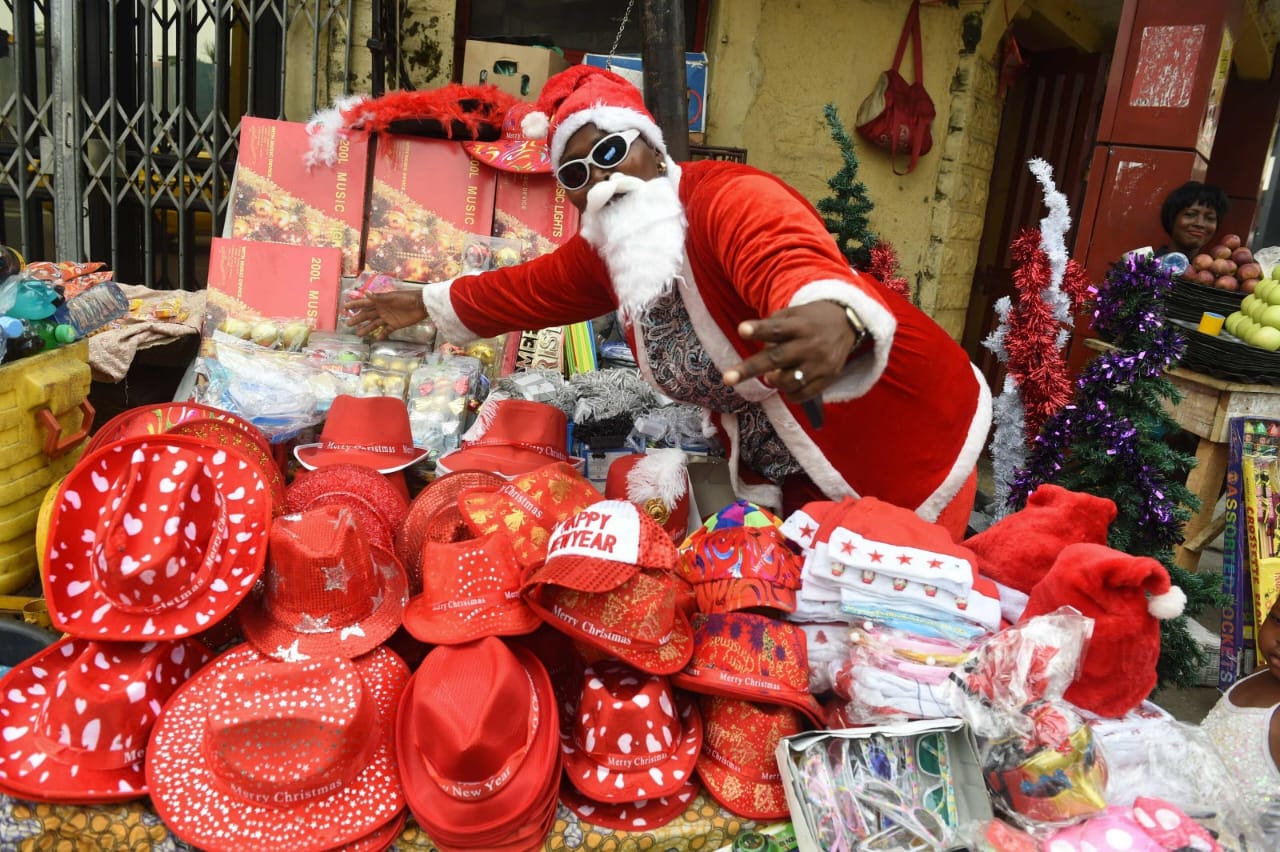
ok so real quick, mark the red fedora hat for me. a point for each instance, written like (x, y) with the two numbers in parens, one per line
(326, 589)
(478, 742)
(434, 516)
(154, 538)
(372, 431)
(379, 506)
(511, 437)
(470, 589)
(298, 752)
(76, 716)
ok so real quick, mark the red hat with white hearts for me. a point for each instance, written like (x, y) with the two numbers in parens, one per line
(587, 94)
(327, 589)
(298, 752)
(631, 737)
(155, 538)
(640, 815)
(76, 716)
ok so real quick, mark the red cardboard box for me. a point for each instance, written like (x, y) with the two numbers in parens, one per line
(278, 200)
(256, 279)
(428, 196)
(535, 210)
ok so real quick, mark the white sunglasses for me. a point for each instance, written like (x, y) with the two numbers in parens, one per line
(607, 153)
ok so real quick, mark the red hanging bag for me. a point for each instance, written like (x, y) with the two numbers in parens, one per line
(897, 115)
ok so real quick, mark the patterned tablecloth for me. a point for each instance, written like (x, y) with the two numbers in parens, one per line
(30, 826)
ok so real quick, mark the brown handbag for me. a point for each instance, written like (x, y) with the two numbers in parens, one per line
(897, 115)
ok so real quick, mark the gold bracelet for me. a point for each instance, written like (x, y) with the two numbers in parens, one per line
(860, 332)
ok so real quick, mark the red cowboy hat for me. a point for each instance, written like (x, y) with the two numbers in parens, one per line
(326, 589)
(301, 753)
(154, 538)
(210, 424)
(470, 589)
(750, 656)
(76, 716)
(657, 482)
(478, 744)
(434, 516)
(514, 152)
(372, 431)
(511, 437)
(737, 763)
(378, 505)
(629, 737)
(527, 508)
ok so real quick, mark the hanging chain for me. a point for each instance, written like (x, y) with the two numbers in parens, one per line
(617, 39)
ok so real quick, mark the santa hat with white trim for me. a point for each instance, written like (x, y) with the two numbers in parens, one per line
(586, 94)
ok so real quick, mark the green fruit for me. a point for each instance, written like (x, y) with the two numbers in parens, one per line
(1275, 272)
(1233, 322)
(1267, 338)
(1271, 316)
(1264, 286)
(1246, 304)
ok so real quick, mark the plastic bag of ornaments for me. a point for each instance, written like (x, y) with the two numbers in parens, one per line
(367, 283)
(443, 395)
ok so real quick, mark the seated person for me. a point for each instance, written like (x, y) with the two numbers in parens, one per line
(1244, 727)
(1190, 216)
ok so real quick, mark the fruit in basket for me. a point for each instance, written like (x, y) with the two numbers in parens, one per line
(1241, 256)
(1226, 282)
(1202, 261)
(1232, 241)
(1220, 252)
(1249, 270)
(1249, 285)
(1266, 337)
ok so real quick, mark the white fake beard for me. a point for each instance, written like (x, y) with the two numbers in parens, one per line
(638, 228)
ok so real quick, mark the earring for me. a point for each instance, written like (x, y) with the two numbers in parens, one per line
(662, 167)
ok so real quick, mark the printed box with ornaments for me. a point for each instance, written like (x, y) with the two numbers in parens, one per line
(429, 200)
(277, 199)
(629, 66)
(535, 210)
(519, 70)
(249, 279)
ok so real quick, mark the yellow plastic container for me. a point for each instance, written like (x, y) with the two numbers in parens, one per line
(45, 418)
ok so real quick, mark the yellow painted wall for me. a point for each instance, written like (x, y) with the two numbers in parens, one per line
(775, 64)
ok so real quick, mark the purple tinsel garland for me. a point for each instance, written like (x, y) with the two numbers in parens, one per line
(1147, 348)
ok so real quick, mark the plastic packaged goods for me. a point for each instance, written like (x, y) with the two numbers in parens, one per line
(96, 307)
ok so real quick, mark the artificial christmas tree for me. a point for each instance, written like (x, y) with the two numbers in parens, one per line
(847, 214)
(1108, 442)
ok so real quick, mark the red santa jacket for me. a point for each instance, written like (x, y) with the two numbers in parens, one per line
(905, 423)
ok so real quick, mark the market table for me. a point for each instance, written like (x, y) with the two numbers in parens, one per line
(1206, 410)
(134, 826)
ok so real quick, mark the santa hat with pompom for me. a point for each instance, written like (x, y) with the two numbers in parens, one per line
(657, 482)
(586, 94)
(1127, 597)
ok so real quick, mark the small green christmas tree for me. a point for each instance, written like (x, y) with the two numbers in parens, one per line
(846, 213)
(1107, 442)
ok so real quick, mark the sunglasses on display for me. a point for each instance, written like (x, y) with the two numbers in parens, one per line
(608, 152)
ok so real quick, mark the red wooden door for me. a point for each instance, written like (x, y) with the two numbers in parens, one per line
(1052, 113)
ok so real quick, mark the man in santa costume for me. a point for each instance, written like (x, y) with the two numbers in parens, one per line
(734, 297)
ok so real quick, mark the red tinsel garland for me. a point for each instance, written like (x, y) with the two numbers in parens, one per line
(455, 107)
(884, 265)
(1031, 335)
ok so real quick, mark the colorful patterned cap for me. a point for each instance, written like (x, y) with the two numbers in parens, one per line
(737, 762)
(750, 656)
(740, 559)
(638, 622)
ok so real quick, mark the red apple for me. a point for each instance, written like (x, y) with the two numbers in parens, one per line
(1202, 261)
(1221, 266)
(1232, 241)
(1250, 270)
(1227, 282)
(1248, 285)
(1220, 252)
(1205, 277)
(1242, 255)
